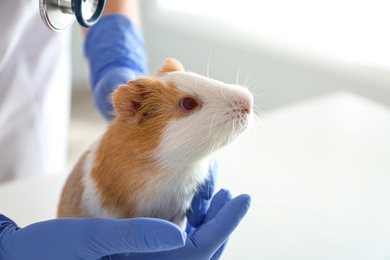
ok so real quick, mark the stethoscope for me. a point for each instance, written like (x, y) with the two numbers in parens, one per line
(60, 14)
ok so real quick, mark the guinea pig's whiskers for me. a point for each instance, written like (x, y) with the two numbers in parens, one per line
(257, 111)
(208, 64)
(257, 96)
(249, 86)
(249, 76)
(240, 66)
(223, 94)
(215, 142)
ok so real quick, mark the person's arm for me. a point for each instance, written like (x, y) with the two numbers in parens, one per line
(115, 50)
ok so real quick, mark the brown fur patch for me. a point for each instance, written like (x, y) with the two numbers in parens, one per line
(124, 160)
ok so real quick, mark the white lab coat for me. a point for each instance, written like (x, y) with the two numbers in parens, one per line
(34, 92)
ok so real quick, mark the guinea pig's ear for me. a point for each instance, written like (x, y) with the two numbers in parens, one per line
(127, 99)
(170, 65)
(125, 103)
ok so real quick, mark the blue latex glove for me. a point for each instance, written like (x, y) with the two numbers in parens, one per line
(89, 238)
(86, 238)
(208, 241)
(115, 49)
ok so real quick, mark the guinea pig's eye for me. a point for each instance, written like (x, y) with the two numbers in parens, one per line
(188, 104)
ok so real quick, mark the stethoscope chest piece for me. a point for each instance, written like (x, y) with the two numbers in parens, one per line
(60, 14)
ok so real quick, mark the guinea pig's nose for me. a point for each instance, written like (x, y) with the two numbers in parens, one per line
(246, 109)
(246, 103)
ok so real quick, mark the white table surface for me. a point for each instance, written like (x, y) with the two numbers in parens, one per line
(318, 173)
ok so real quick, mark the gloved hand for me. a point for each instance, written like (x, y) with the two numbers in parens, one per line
(89, 238)
(208, 241)
(86, 238)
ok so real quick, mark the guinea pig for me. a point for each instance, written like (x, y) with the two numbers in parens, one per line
(155, 154)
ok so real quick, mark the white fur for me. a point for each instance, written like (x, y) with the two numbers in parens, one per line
(179, 184)
(91, 197)
(187, 144)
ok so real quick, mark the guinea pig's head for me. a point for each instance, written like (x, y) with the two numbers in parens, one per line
(187, 115)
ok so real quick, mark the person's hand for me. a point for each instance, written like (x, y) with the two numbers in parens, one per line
(206, 242)
(86, 238)
(89, 238)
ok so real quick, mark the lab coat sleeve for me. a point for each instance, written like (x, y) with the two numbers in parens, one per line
(116, 53)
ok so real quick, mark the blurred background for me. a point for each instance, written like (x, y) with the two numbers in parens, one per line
(317, 162)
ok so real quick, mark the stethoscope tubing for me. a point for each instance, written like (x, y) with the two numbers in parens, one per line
(77, 8)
